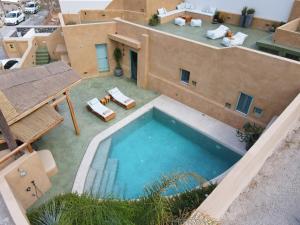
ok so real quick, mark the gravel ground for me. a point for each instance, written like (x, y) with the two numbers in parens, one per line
(273, 197)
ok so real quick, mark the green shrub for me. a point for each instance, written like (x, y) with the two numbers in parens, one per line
(154, 20)
(118, 57)
(250, 11)
(152, 209)
(244, 11)
(249, 134)
(183, 205)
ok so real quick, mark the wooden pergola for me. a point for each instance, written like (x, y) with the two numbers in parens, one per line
(28, 102)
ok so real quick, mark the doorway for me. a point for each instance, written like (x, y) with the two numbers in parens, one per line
(102, 59)
(133, 64)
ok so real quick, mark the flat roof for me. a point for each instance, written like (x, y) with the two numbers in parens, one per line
(199, 33)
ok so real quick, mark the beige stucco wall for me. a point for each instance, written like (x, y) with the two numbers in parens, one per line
(35, 171)
(246, 169)
(148, 6)
(15, 48)
(29, 57)
(137, 5)
(153, 5)
(80, 42)
(70, 19)
(17, 212)
(258, 23)
(288, 34)
(295, 13)
(220, 74)
(26, 48)
(115, 4)
(88, 16)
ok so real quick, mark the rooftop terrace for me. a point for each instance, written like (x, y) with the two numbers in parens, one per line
(199, 33)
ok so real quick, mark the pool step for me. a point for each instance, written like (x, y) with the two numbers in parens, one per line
(107, 183)
(112, 178)
(99, 164)
(89, 180)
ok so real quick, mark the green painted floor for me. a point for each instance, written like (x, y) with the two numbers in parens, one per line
(67, 148)
(199, 33)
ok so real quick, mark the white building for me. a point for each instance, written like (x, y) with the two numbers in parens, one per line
(74, 6)
(277, 10)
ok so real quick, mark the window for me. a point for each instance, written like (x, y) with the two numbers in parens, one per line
(228, 105)
(244, 103)
(258, 111)
(185, 76)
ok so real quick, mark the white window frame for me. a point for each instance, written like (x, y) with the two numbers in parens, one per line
(237, 103)
(183, 82)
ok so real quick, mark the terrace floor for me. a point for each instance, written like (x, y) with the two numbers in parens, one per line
(199, 33)
(67, 148)
(273, 196)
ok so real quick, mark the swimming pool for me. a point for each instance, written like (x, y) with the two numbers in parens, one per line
(153, 145)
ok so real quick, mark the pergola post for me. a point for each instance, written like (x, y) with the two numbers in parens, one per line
(71, 108)
(8, 136)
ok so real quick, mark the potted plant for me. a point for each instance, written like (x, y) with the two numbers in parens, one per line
(154, 20)
(118, 58)
(243, 16)
(249, 17)
(249, 134)
(216, 17)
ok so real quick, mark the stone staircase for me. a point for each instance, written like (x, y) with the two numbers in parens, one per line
(100, 181)
(42, 56)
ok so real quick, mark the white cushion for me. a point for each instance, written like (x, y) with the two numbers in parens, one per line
(213, 10)
(179, 21)
(188, 5)
(161, 11)
(180, 6)
(196, 23)
(208, 10)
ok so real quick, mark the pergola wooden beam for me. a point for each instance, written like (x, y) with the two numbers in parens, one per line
(7, 134)
(71, 108)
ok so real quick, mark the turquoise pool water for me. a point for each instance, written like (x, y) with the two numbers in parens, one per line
(153, 145)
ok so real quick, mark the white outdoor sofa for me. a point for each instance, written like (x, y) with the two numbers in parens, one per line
(187, 7)
(237, 39)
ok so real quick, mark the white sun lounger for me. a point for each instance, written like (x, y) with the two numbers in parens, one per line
(237, 39)
(217, 33)
(100, 110)
(121, 99)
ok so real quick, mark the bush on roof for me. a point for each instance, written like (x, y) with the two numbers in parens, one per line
(154, 20)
